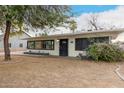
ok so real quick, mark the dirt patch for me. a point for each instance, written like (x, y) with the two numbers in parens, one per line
(47, 71)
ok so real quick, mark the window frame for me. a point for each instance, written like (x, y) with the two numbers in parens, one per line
(20, 45)
(42, 47)
(51, 41)
(107, 37)
(10, 45)
(81, 44)
(28, 45)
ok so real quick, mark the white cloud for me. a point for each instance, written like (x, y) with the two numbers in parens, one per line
(108, 18)
(114, 17)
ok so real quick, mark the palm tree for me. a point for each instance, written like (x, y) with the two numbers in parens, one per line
(13, 19)
(72, 25)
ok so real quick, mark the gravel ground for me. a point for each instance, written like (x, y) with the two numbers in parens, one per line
(48, 71)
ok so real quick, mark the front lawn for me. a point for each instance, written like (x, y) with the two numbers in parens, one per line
(48, 71)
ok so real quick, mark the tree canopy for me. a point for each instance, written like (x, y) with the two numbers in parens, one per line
(72, 25)
(15, 18)
(35, 16)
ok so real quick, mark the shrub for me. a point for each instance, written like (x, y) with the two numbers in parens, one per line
(104, 52)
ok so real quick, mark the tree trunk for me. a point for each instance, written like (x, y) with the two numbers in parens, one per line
(6, 41)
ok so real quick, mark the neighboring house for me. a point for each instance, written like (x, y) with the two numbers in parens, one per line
(120, 44)
(69, 44)
(16, 41)
(1, 37)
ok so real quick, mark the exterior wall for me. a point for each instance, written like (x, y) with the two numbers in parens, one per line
(1, 44)
(1, 41)
(71, 48)
(16, 41)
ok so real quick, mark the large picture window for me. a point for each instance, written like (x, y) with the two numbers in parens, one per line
(83, 43)
(43, 45)
(31, 44)
(48, 44)
(38, 45)
(101, 39)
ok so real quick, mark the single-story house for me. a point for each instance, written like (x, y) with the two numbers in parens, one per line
(16, 41)
(70, 44)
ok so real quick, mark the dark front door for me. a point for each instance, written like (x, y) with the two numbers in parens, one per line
(63, 47)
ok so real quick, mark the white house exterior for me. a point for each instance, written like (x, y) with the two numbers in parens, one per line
(69, 44)
(16, 41)
(1, 44)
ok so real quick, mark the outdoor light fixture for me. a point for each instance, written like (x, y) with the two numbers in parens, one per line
(71, 41)
(57, 40)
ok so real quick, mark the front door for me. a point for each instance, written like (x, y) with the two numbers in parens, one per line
(63, 47)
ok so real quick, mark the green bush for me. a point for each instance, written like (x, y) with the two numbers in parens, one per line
(104, 52)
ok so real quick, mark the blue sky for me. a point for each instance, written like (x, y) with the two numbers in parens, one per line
(79, 9)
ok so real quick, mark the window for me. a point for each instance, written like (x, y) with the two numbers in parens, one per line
(20, 45)
(38, 45)
(44, 44)
(101, 39)
(83, 43)
(48, 44)
(31, 45)
(10, 45)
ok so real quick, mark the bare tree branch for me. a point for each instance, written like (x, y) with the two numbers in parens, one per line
(93, 21)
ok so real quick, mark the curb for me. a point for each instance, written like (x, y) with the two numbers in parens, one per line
(118, 74)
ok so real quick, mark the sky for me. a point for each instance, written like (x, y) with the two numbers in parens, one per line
(80, 9)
